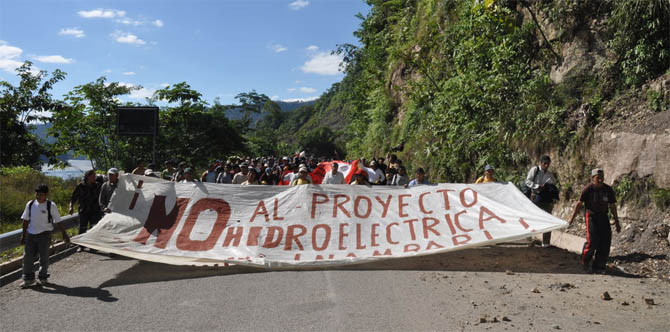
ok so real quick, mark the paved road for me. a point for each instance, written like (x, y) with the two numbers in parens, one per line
(448, 292)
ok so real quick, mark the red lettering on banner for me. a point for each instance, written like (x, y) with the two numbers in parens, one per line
(374, 235)
(275, 210)
(387, 252)
(254, 233)
(385, 206)
(270, 241)
(474, 197)
(433, 244)
(445, 194)
(320, 258)
(233, 234)
(488, 235)
(134, 201)
(351, 254)
(296, 257)
(343, 234)
(222, 210)
(326, 239)
(421, 203)
(165, 223)
(430, 227)
(337, 205)
(291, 236)
(260, 209)
(466, 238)
(357, 203)
(523, 223)
(410, 223)
(458, 223)
(315, 201)
(491, 216)
(358, 238)
(412, 247)
(451, 225)
(402, 204)
(388, 233)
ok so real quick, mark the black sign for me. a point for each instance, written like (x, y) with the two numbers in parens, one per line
(137, 121)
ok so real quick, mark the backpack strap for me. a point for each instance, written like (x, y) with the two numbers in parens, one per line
(51, 219)
(30, 210)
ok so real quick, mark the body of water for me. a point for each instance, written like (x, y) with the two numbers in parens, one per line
(76, 169)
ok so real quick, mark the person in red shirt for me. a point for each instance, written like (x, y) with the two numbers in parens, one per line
(598, 198)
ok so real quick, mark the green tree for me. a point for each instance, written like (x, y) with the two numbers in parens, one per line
(20, 107)
(88, 125)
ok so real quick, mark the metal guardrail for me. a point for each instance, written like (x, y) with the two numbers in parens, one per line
(11, 240)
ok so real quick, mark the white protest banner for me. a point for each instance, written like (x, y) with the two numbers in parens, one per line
(307, 225)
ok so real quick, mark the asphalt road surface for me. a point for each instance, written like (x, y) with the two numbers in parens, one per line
(497, 288)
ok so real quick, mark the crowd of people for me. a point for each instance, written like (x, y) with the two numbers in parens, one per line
(93, 196)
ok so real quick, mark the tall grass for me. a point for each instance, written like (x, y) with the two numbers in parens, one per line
(17, 187)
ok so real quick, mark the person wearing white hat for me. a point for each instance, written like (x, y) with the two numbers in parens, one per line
(107, 189)
(302, 178)
(598, 199)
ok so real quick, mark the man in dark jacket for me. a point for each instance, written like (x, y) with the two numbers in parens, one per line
(86, 194)
(599, 199)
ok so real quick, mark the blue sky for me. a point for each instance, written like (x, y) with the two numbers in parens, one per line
(278, 47)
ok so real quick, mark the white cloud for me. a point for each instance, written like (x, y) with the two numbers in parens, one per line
(298, 4)
(128, 21)
(278, 48)
(291, 100)
(323, 64)
(138, 92)
(158, 23)
(165, 85)
(101, 13)
(108, 71)
(129, 73)
(275, 97)
(312, 48)
(127, 38)
(8, 57)
(53, 59)
(291, 89)
(77, 33)
(307, 90)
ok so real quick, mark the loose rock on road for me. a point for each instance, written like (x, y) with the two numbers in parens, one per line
(469, 290)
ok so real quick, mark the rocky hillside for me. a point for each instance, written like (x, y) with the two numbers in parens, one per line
(468, 83)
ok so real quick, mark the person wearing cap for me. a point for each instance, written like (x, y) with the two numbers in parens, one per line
(107, 189)
(242, 175)
(188, 176)
(334, 176)
(420, 179)
(87, 194)
(488, 175)
(179, 174)
(303, 177)
(598, 198)
(379, 176)
(226, 176)
(149, 171)
(39, 218)
(361, 178)
(542, 185)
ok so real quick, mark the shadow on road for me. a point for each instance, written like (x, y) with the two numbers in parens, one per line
(501, 258)
(99, 293)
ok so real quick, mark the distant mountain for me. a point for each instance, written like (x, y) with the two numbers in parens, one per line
(286, 106)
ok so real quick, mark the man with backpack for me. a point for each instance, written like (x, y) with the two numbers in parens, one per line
(543, 191)
(87, 194)
(39, 218)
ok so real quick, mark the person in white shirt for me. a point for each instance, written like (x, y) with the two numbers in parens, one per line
(334, 176)
(379, 176)
(39, 218)
(538, 179)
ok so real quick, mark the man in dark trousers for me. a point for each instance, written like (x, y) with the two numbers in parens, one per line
(87, 194)
(39, 218)
(598, 198)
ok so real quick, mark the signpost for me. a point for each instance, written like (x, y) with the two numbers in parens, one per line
(138, 121)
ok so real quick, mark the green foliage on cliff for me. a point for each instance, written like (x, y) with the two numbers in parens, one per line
(466, 83)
